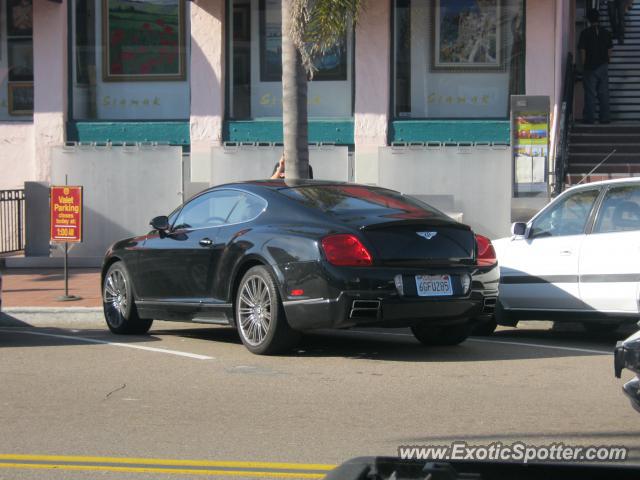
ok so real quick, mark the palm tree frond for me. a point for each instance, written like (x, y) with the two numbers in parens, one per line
(320, 25)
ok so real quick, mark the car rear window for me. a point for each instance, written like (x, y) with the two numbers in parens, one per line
(348, 199)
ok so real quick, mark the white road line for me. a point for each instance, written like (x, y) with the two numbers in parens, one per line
(115, 344)
(505, 342)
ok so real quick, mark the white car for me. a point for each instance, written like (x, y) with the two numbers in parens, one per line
(577, 259)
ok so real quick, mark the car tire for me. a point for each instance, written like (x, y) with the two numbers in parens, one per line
(600, 327)
(259, 314)
(434, 336)
(485, 327)
(118, 304)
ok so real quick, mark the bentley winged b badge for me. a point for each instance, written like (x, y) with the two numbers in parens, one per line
(427, 235)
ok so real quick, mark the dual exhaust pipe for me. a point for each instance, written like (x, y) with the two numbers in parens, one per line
(365, 309)
(371, 308)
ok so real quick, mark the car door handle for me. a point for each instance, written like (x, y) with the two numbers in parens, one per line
(566, 253)
(206, 242)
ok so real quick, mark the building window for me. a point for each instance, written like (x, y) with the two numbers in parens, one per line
(130, 60)
(255, 69)
(457, 58)
(16, 58)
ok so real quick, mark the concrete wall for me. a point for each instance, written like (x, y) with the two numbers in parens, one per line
(124, 187)
(479, 179)
(248, 162)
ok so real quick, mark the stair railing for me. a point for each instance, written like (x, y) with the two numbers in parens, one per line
(566, 122)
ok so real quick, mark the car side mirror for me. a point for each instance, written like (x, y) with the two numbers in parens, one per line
(519, 229)
(160, 223)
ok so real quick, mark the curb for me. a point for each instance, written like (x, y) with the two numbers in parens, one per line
(12, 310)
(51, 262)
(52, 317)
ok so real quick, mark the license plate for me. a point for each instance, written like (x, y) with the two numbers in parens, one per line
(434, 285)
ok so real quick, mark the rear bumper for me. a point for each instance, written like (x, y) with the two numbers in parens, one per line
(344, 297)
(368, 308)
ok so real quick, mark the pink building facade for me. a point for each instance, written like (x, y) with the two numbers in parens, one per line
(404, 76)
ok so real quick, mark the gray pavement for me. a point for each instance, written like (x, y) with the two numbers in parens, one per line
(70, 388)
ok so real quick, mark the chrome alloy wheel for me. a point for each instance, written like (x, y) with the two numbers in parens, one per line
(254, 310)
(115, 296)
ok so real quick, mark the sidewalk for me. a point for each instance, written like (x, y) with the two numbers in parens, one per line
(41, 288)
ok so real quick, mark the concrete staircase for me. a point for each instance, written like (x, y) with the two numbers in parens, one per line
(590, 144)
(624, 69)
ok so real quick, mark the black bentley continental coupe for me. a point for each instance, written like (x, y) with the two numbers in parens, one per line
(274, 259)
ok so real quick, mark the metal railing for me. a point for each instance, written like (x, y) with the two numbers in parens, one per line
(12, 220)
(566, 121)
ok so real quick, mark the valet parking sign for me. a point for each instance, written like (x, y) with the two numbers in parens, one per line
(66, 214)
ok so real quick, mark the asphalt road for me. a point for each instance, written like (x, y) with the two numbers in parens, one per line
(195, 394)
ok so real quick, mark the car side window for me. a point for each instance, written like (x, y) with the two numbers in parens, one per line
(620, 210)
(208, 210)
(568, 217)
(248, 207)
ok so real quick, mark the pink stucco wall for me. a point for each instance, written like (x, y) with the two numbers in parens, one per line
(372, 87)
(373, 66)
(16, 154)
(25, 152)
(207, 72)
(50, 72)
(549, 39)
(549, 30)
(541, 41)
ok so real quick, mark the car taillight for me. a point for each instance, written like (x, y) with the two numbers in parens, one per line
(346, 250)
(486, 253)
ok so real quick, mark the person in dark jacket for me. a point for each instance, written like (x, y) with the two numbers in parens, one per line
(595, 46)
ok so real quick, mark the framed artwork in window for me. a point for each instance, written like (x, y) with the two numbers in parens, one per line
(466, 36)
(143, 41)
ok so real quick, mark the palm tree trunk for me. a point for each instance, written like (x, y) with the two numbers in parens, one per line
(294, 102)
